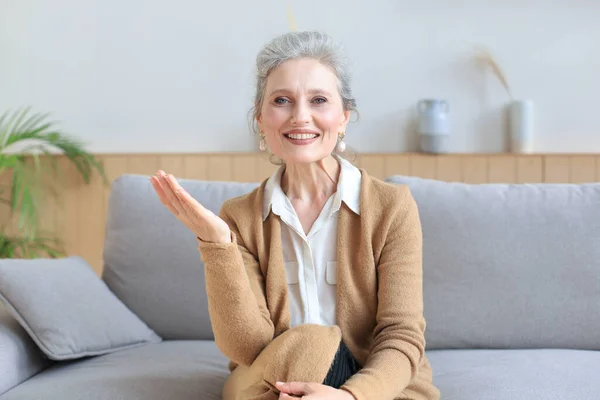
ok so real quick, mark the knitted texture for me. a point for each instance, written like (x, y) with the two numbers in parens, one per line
(379, 292)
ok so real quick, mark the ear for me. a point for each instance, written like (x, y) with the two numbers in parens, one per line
(345, 119)
(259, 121)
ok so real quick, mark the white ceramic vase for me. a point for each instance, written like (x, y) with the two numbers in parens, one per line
(521, 126)
(434, 125)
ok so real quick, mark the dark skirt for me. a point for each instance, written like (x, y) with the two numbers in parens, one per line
(343, 367)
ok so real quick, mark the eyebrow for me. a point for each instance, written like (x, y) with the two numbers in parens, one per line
(311, 91)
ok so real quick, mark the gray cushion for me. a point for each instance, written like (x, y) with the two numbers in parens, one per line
(182, 370)
(151, 259)
(547, 374)
(20, 358)
(67, 310)
(509, 265)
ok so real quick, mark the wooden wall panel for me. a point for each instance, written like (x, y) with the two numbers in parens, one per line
(424, 166)
(374, 164)
(557, 169)
(582, 169)
(50, 202)
(172, 164)
(91, 216)
(449, 168)
(78, 214)
(397, 164)
(195, 167)
(68, 221)
(220, 167)
(264, 168)
(475, 169)
(530, 169)
(5, 216)
(244, 168)
(502, 169)
(142, 164)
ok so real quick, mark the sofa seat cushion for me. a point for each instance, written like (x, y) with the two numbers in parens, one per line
(540, 374)
(169, 370)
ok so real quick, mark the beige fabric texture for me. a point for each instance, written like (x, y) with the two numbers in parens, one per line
(379, 300)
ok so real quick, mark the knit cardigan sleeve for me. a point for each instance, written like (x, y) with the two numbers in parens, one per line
(399, 343)
(236, 297)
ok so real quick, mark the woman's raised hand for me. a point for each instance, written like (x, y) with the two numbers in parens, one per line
(204, 223)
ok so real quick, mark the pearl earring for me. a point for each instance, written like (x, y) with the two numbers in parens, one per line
(262, 145)
(341, 146)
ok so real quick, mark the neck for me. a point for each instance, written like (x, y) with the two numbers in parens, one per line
(312, 181)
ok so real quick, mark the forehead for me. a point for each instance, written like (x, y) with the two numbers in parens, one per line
(305, 74)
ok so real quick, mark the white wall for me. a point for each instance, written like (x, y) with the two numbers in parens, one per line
(176, 76)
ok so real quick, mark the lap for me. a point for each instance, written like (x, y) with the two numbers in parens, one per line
(303, 353)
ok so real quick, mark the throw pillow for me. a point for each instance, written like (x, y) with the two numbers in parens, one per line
(68, 311)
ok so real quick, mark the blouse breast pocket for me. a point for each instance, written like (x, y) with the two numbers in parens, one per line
(331, 272)
(291, 272)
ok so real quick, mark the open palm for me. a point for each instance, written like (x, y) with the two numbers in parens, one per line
(204, 223)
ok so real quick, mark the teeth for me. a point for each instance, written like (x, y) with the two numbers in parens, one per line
(302, 135)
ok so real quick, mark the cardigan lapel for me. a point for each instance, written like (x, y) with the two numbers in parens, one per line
(270, 258)
(344, 222)
(349, 240)
(276, 283)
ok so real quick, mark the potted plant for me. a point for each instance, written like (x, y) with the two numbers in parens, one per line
(520, 111)
(29, 143)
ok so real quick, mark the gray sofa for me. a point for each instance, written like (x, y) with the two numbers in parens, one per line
(511, 286)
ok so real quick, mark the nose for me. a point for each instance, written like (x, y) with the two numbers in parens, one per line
(300, 114)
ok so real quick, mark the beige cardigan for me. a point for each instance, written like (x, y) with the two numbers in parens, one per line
(379, 295)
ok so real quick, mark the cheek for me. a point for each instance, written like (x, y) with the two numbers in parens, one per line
(273, 117)
(329, 120)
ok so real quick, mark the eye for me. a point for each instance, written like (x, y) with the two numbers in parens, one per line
(319, 100)
(280, 100)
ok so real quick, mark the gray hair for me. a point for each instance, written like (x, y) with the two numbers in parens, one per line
(296, 45)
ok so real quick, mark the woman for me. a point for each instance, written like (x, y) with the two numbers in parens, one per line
(314, 279)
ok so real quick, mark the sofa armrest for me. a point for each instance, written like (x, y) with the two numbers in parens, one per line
(20, 358)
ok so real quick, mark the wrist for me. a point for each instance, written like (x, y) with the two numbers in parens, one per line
(228, 238)
(225, 239)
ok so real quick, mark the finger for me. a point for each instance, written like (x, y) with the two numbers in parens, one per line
(162, 196)
(178, 191)
(286, 396)
(169, 192)
(189, 204)
(297, 388)
(158, 189)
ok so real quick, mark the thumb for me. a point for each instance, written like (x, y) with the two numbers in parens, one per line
(296, 388)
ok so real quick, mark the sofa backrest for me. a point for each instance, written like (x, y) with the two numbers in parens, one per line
(505, 265)
(151, 260)
(510, 266)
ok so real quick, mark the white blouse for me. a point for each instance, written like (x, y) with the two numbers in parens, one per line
(311, 260)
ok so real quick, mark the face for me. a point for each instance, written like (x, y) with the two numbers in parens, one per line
(302, 111)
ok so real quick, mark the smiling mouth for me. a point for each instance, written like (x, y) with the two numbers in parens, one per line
(301, 136)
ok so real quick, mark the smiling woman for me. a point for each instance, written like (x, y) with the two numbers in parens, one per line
(302, 114)
(302, 75)
(314, 279)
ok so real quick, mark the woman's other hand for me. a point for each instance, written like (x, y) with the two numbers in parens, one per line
(311, 391)
(204, 223)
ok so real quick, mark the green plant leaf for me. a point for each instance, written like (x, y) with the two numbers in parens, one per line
(30, 247)
(24, 137)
